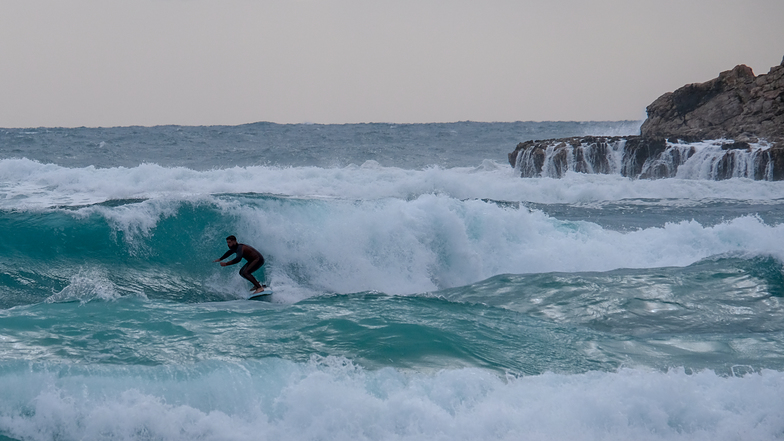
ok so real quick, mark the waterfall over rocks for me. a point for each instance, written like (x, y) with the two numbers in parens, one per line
(643, 158)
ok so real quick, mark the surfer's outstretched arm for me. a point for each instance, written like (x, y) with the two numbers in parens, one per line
(225, 255)
(237, 250)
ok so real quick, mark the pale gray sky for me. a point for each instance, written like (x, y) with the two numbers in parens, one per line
(199, 62)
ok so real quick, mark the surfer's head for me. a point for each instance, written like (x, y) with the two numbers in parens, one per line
(231, 241)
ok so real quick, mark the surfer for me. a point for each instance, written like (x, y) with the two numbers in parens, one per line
(247, 252)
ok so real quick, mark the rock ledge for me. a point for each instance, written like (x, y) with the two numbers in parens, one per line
(736, 105)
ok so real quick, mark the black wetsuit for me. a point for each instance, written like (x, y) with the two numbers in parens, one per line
(254, 258)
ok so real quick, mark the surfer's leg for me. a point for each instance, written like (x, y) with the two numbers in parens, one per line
(247, 273)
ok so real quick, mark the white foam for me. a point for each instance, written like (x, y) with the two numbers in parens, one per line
(332, 399)
(705, 162)
(31, 185)
(405, 231)
(433, 242)
(85, 286)
(436, 242)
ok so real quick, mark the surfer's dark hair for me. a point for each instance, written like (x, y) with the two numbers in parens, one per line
(232, 238)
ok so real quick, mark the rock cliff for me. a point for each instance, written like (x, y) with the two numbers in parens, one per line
(731, 126)
(736, 105)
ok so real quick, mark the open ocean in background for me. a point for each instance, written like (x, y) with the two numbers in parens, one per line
(422, 289)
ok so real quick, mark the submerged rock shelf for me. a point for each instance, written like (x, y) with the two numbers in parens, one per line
(649, 158)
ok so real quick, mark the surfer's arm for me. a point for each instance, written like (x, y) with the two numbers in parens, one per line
(227, 254)
(236, 259)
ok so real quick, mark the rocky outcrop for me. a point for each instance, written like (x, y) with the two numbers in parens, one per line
(648, 158)
(731, 126)
(555, 157)
(736, 105)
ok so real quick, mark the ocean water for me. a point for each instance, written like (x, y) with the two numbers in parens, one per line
(422, 289)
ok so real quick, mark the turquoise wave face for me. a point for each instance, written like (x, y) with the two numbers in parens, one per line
(720, 314)
(164, 248)
(80, 254)
(374, 330)
(426, 283)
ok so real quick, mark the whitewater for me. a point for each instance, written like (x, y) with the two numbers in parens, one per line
(422, 289)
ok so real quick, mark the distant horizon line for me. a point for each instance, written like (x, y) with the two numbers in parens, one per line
(323, 124)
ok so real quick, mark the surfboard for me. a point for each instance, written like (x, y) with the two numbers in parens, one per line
(264, 295)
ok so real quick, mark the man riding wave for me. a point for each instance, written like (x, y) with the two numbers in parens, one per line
(254, 261)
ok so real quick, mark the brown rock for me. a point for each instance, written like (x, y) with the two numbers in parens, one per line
(736, 105)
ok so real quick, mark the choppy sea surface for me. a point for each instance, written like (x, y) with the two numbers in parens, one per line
(422, 290)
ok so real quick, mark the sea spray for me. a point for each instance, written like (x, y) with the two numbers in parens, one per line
(330, 398)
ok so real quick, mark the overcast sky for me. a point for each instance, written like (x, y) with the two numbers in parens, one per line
(202, 62)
